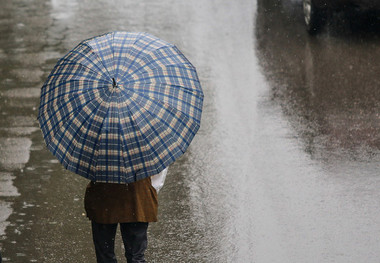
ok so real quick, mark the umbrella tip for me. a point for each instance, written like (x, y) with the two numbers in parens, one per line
(114, 82)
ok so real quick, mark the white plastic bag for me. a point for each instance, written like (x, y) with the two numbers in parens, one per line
(158, 180)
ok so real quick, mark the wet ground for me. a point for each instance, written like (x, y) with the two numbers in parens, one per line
(285, 167)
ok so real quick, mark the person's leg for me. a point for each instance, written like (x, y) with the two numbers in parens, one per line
(104, 241)
(135, 240)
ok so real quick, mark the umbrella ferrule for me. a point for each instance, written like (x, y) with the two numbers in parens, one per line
(114, 82)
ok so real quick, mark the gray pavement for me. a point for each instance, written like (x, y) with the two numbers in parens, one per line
(285, 167)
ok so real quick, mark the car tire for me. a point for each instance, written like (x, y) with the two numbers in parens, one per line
(315, 18)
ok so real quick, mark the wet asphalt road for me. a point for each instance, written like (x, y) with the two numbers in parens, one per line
(285, 167)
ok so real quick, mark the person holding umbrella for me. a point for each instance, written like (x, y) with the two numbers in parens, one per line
(118, 109)
(132, 206)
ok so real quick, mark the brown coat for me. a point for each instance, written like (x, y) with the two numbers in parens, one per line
(108, 203)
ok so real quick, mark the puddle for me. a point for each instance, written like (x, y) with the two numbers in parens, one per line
(15, 152)
(23, 93)
(7, 188)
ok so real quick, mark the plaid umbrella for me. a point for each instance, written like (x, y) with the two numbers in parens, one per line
(120, 107)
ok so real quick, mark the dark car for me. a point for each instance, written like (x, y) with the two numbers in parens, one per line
(316, 12)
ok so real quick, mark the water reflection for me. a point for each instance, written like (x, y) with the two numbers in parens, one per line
(327, 86)
(14, 153)
(7, 190)
(6, 187)
(326, 89)
(21, 72)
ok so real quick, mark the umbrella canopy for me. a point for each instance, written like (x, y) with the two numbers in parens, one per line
(120, 107)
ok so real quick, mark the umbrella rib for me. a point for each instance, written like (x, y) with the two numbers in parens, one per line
(148, 97)
(138, 37)
(172, 110)
(157, 100)
(167, 57)
(143, 136)
(81, 149)
(61, 81)
(153, 61)
(125, 138)
(167, 76)
(81, 91)
(97, 139)
(76, 62)
(113, 54)
(63, 73)
(196, 80)
(99, 54)
(197, 93)
(57, 126)
(66, 125)
(157, 134)
(170, 76)
(73, 98)
(69, 157)
(146, 80)
(138, 54)
(123, 147)
(101, 127)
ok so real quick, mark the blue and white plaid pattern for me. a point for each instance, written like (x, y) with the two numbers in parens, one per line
(120, 107)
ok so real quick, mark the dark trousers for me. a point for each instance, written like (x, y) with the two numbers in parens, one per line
(134, 237)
